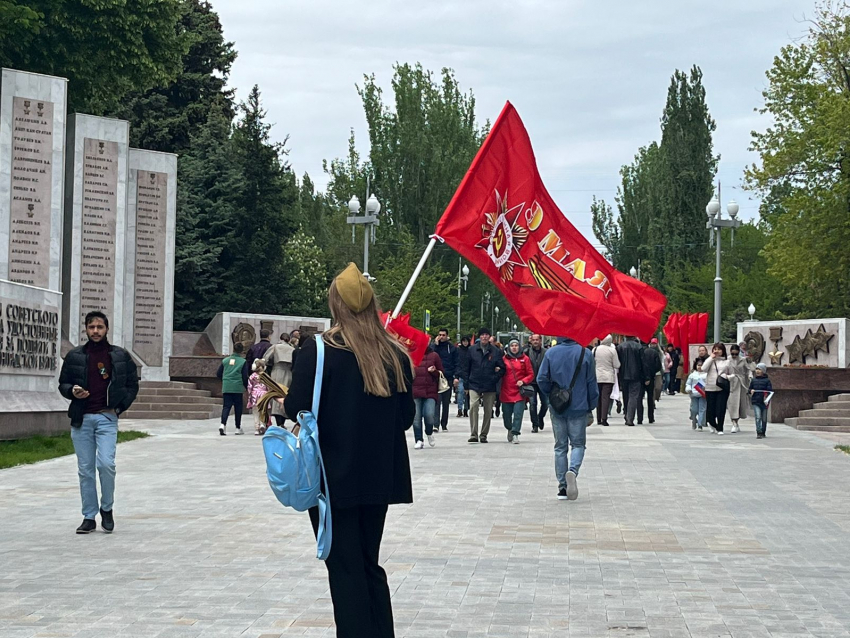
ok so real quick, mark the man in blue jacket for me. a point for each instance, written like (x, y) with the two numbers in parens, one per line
(448, 355)
(562, 363)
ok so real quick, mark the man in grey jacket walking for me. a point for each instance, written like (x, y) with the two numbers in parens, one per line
(564, 362)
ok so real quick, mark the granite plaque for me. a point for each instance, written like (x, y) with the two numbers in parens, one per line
(149, 307)
(29, 338)
(100, 209)
(32, 182)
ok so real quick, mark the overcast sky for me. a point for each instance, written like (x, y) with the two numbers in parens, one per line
(588, 77)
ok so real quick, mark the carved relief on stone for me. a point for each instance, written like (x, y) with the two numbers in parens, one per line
(820, 340)
(754, 343)
(244, 334)
(776, 357)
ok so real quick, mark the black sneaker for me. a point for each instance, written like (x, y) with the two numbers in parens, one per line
(106, 521)
(482, 439)
(87, 527)
(473, 439)
(534, 429)
(465, 413)
(459, 414)
(541, 425)
(562, 494)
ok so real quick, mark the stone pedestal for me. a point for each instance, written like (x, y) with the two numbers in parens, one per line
(95, 224)
(799, 389)
(149, 266)
(32, 146)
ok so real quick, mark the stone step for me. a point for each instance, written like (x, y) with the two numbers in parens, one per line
(824, 413)
(186, 400)
(820, 421)
(167, 384)
(824, 428)
(833, 406)
(178, 416)
(176, 407)
(839, 397)
(172, 392)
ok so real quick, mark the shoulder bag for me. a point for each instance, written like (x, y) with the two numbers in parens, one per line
(443, 384)
(526, 390)
(560, 398)
(722, 382)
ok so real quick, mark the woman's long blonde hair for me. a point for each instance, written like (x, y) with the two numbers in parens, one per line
(374, 348)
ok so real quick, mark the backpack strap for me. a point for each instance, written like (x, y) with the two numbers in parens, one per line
(324, 535)
(578, 368)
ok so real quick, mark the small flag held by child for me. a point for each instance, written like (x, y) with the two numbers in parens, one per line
(699, 386)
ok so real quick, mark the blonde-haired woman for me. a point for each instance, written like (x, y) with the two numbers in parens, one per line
(365, 408)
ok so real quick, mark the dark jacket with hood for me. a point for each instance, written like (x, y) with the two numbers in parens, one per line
(481, 373)
(462, 362)
(122, 389)
(425, 383)
(651, 360)
(449, 356)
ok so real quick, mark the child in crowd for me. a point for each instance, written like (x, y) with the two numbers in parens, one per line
(760, 389)
(695, 387)
(233, 373)
(256, 390)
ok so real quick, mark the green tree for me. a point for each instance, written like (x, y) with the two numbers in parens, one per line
(259, 279)
(804, 167)
(166, 117)
(106, 48)
(207, 209)
(305, 262)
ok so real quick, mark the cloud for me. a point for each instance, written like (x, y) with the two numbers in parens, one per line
(588, 77)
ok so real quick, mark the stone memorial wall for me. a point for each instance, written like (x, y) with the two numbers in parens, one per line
(95, 224)
(32, 145)
(149, 275)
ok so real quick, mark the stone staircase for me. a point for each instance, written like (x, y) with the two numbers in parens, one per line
(173, 400)
(832, 415)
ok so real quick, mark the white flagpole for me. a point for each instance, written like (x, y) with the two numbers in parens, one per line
(413, 279)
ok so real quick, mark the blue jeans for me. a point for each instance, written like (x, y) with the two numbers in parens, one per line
(570, 432)
(428, 409)
(461, 397)
(512, 416)
(665, 384)
(94, 443)
(760, 415)
(698, 406)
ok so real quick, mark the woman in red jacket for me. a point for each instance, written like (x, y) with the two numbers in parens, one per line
(518, 371)
(426, 380)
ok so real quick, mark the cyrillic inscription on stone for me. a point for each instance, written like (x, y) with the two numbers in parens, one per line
(32, 179)
(100, 201)
(29, 337)
(151, 213)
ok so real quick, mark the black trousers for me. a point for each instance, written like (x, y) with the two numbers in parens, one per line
(604, 405)
(234, 400)
(632, 392)
(444, 405)
(715, 409)
(649, 392)
(359, 590)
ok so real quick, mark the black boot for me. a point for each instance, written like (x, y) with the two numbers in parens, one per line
(87, 527)
(106, 521)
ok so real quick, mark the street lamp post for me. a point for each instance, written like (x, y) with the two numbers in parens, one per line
(485, 303)
(715, 224)
(369, 221)
(462, 276)
(494, 322)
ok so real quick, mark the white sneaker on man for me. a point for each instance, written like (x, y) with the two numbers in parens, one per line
(572, 485)
(419, 445)
(431, 440)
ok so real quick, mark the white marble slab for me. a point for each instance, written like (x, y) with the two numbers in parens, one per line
(50, 92)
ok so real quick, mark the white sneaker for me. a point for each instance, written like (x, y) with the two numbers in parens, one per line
(222, 430)
(572, 486)
(238, 430)
(431, 440)
(419, 445)
(735, 428)
(719, 433)
(712, 429)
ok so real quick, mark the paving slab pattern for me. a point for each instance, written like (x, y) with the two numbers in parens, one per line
(676, 534)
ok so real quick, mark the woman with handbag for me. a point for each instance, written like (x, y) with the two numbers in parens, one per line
(426, 393)
(516, 389)
(366, 406)
(716, 388)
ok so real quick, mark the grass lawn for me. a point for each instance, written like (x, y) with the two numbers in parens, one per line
(41, 448)
(843, 448)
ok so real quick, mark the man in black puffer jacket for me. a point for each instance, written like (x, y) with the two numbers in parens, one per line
(484, 367)
(101, 381)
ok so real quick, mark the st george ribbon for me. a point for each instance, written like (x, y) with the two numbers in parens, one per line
(504, 221)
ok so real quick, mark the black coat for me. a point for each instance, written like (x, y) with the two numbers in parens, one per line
(462, 363)
(631, 361)
(481, 374)
(536, 358)
(361, 436)
(651, 363)
(122, 389)
(449, 356)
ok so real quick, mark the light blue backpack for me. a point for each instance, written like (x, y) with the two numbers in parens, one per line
(294, 463)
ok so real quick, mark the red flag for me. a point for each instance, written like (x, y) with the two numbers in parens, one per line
(671, 328)
(414, 340)
(685, 322)
(504, 221)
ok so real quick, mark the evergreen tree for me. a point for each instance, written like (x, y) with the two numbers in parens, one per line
(165, 118)
(258, 277)
(208, 207)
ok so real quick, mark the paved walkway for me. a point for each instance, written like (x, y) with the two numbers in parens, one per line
(676, 533)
